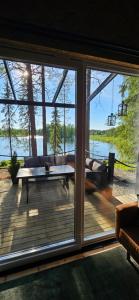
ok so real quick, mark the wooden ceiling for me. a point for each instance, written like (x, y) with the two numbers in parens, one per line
(93, 27)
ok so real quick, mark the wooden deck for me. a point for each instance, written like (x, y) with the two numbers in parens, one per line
(48, 218)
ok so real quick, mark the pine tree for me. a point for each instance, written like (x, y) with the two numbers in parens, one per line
(31, 110)
(25, 90)
(9, 116)
(55, 132)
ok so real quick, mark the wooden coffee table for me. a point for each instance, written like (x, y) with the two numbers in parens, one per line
(40, 172)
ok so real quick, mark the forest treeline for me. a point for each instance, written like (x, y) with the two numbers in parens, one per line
(68, 130)
(108, 132)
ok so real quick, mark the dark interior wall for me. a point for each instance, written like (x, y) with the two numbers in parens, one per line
(105, 28)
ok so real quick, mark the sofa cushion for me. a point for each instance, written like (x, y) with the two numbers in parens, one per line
(32, 162)
(49, 159)
(60, 160)
(39, 161)
(98, 166)
(70, 158)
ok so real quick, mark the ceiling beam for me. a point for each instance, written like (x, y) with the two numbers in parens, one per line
(36, 103)
(101, 86)
(60, 86)
(9, 77)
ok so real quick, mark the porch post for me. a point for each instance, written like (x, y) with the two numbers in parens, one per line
(80, 154)
(88, 87)
(111, 167)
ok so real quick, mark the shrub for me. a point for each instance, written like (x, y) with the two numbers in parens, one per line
(13, 168)
(3, 163)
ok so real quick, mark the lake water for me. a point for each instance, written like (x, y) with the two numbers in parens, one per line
(97, 148)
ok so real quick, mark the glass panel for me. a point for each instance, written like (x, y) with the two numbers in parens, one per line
(47, 82)
(96, 78)
(38, 211)
(111, 151)
(67, 93)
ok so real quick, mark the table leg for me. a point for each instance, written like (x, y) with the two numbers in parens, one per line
(27, 188)
(66, 185)
(67, 182)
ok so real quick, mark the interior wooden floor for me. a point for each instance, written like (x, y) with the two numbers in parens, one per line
(48, 218)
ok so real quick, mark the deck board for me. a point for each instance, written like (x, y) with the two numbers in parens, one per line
(48, 218)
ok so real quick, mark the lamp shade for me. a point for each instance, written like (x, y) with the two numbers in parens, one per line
(122, 109)
(111, 121)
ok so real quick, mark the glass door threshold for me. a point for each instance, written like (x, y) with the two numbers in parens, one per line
(99, 237)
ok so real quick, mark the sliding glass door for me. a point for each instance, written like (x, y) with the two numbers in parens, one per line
(38, 145)
(111, 153)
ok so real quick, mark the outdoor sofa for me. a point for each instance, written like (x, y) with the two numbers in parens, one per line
(97, 177)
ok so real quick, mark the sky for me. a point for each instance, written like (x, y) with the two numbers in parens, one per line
(105, 103)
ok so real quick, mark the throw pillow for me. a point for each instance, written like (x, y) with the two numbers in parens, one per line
(98, 166)
(50, 159)
(32, 162)
(89, 163)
